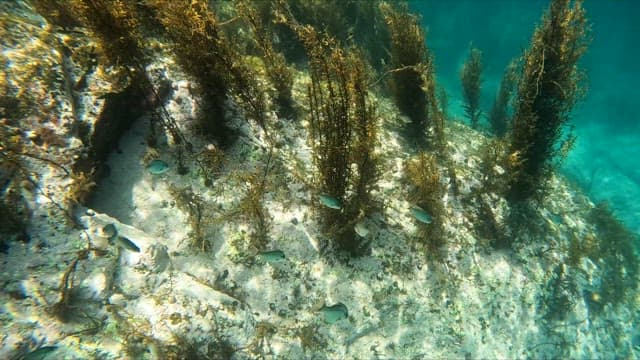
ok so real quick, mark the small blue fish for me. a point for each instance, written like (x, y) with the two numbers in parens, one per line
(272, 256)
(40, 353)
(361, 229)
(127, 244)
(330, 202)
(421, 215)
(157, 167)
(557, 218)
(334, 313)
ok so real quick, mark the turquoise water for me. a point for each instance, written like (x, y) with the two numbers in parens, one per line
(605, 159)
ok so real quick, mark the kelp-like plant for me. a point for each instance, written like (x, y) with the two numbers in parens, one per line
(471, 77)
(278, 72)
(617, 254)
(196, 39)
(114, 24)
(413, 81)
(342, 135)
(207, 56)
(499, 118)
(351, 22)
(425, 194)
(548, 90)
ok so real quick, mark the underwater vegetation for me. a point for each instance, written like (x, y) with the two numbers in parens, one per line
(275, 64)
(115, 24)
(471, 77)
(499, 118)
(252, 206)
(425, 196)
(342, 131)
(204, 55)
(378, 178)
(413, 77)
(616, 248)
(548, 88)
(558, 301)
(193, 204)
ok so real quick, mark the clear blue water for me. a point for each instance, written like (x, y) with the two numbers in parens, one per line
(606, 158)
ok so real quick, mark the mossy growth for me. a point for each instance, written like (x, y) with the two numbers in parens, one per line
(342, 135)
(17, 181)
(493, 161)
(548, 89)
(211, 60)
(210, 163)
(471, 78)
(426, 192)
(413, 79)
(499, 117)
(581, 247)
